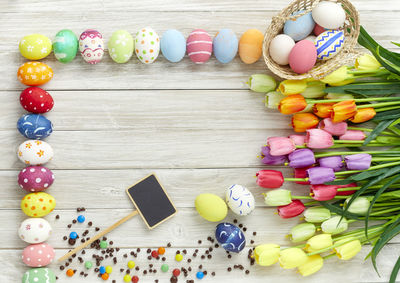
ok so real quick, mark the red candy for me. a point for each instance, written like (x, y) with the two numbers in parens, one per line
(176, 272)
(154, 254)
(36, 100)
(135, 279)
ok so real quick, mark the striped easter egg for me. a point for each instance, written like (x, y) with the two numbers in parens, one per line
(329, 43)
(199, 46)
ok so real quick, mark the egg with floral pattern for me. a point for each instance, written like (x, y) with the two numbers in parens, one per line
(147, 45)
(91, 46)
(34, 73)
(39, 275)
(36, 100)
(38, 255)
(35, 152)
(120, 46)
(230, 237)
(38, 204)
(34, 230)
(35, 178)
(35, 46)
(240, 200)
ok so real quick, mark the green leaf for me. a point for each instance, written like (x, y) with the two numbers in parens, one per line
(395, 43)
(339, 210)
(378, 129)
(395, 271)
(387, 115)
(367, 174)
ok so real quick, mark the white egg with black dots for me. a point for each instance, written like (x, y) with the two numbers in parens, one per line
(240, 200)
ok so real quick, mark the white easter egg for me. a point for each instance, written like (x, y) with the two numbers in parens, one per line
(34, 230)
(280, 47)
(147, 45)
(35, 152)
(329, 15)
(329, 43)
(91, 46)
(240, 200)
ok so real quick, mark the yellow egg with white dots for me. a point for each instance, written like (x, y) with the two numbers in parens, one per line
(35, 46)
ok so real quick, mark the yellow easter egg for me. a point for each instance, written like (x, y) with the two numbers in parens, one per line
(250, 46)
(211, 207)
(35, 46)
(38, 204)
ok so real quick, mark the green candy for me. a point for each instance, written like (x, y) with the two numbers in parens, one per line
(103, 244)
(164, 267)
(39, 275)
(65, 46)
(88, 264)
(120, 46)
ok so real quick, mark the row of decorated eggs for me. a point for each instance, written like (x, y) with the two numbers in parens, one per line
(146, 46)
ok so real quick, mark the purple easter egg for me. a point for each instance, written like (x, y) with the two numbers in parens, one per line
(35, 178)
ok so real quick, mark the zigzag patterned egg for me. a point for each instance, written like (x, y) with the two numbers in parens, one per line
(230, 237)
(240, 200)
(329, 43)
(34, 126)
(91, 46)
(39, 275)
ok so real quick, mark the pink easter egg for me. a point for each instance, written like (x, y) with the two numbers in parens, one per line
(318, 29)
(38, 255)
(35, 178)
(199, 46)
(303, 56)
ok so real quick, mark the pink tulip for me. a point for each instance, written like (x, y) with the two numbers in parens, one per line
(335, 129)
(346, 193)
(280, 146)
(323, 192)
(317, 138)
(293, 209)
(298, 139)
(354, 135)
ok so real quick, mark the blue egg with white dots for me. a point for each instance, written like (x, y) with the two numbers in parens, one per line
(34, 126)
(230, 237)
(102, 270)
(200, 275)
(73, 235)
(173, 45)
(81, 219)
(299, 28)
(225, 45)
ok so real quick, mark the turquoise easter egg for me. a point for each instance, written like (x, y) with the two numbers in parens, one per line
(329, 43)
(173, 45)
(300, 27)
(120, 46)
(39, 275)
(65, 45)
(225, 45)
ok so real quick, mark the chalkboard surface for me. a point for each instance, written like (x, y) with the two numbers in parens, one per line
(151, 200)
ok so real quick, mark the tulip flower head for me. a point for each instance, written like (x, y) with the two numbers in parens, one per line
(290, 87)
(261, 83)
(314, 90)
(323, 192)
(301, 158)
(304, 121)
(367, 62)
(334, 162)
(332, 95)
(278, 197)
(323, 110)
(268, 159)
(343, 110)
(360, 161)
(292, 258)
(301, 173)
(319, 242)
(267, 254)
(280, 146)
(292, 104)
(335, 129)
(348, 250)
(293, 209)
(316, 214)
(272, 99)
(317, 138)
(298, 139)
(363, 115)
(359, 206)
(334, 225)
(302, 232)
(354, 135)
(320, 175)
(339, 77)
(270, 179)
(313, 264)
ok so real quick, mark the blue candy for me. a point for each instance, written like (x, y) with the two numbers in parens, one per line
(73, 235)
(230, 237)
(199, 275)
(173, 45)
(225, 45)
(34, 126)
(102, 270)
(81, 219)
(301, 27)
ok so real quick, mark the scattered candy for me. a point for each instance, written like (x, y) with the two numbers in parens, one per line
(108, 269)
(176, 272)
(200, 275)
(102, 270)
(127, 278)
(88, 264)
(105, 276)
(131, 264)
(81, 219)
(178, 257)
(154, 254)
(70, 273)
(103, 244)
(164, 267)
(161, 250)
(73, 235)
(135, 279)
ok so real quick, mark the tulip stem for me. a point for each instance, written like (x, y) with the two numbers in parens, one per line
(378, 159)
(370, 130)
(369, 169)
(385, 211)
(375, 105)
(356, 100)
(335, 153)
(387, 108)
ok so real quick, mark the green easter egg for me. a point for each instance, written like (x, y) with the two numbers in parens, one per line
(120, 46)
(211, 207)
(39, 275)
(65, 45)
(35, 46)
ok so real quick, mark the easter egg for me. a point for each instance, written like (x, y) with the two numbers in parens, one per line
(34, 126)
(120, 46)
(38, 255)
(34, 152)
(91, 46)
(38, 204)
(300, 27)
(35, 178)
(230, 237)
(39, 275)
(199, 46)
(34, 73)
(173, 45)
(36, 100)
(329, 15)
(147, 45)
(240, 200)
(65, 46)
(280, 47)
(303, 56)
(250, 46)
(318, 30)
(329, 43)
(225, 45)
(35, 46)
(211, 207)
(34, 230)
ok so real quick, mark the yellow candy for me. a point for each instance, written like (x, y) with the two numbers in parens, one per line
(108, 269)
(127, 278)
(38, 204)
(178, 257)
(35, 46)
(211, 207)
(131, 264)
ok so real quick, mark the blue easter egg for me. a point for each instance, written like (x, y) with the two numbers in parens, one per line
(225, 45)
(173, 45)
(329, 43)
(299, 28)
(230, 237)
(34, 126)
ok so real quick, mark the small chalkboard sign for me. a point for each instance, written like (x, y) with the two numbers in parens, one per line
(151, 201)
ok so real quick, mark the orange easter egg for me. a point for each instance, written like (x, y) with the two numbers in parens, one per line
(250, 46)
(34, 73)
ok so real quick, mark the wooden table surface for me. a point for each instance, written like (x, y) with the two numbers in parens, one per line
(196, 126)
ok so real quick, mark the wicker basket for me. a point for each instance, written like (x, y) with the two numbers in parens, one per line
(322, 68)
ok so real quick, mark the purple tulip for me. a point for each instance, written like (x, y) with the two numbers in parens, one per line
(334, 162)
(301, 158)
(268, 159)
(320, 175)
(361, 161)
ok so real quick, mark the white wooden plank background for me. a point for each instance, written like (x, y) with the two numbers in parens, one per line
(196, 127)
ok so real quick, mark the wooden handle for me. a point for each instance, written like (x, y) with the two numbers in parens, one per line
(99, 235)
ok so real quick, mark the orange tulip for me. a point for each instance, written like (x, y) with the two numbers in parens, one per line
(363, 115)
(292, 104)
(343, 110)
(304, 121)
(323, 110)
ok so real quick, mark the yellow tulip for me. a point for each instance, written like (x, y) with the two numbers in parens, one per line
(292, 258)
(289, 87)
(319, 242)
(348, 250)
(314, 90)
(267, 254)
(312, 265)
(367, 62)
(339, 77)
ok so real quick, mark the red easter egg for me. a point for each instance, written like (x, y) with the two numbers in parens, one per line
(303, 56)
(36, 100)
(318, 29)
(199, 46)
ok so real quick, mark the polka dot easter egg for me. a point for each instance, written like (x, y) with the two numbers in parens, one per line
(35, 46)
(91, 46)
(199, 46)
(230, 237)
(147, 45)
(35, 178)
(240, 200)
(329, 43)
(34, 230)
(38, 255)
(34, 73)
(39, 275)
(34, 126)
(120, 46)
(35, 152)
(36, 100)
(38, 204)
(65, 46)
